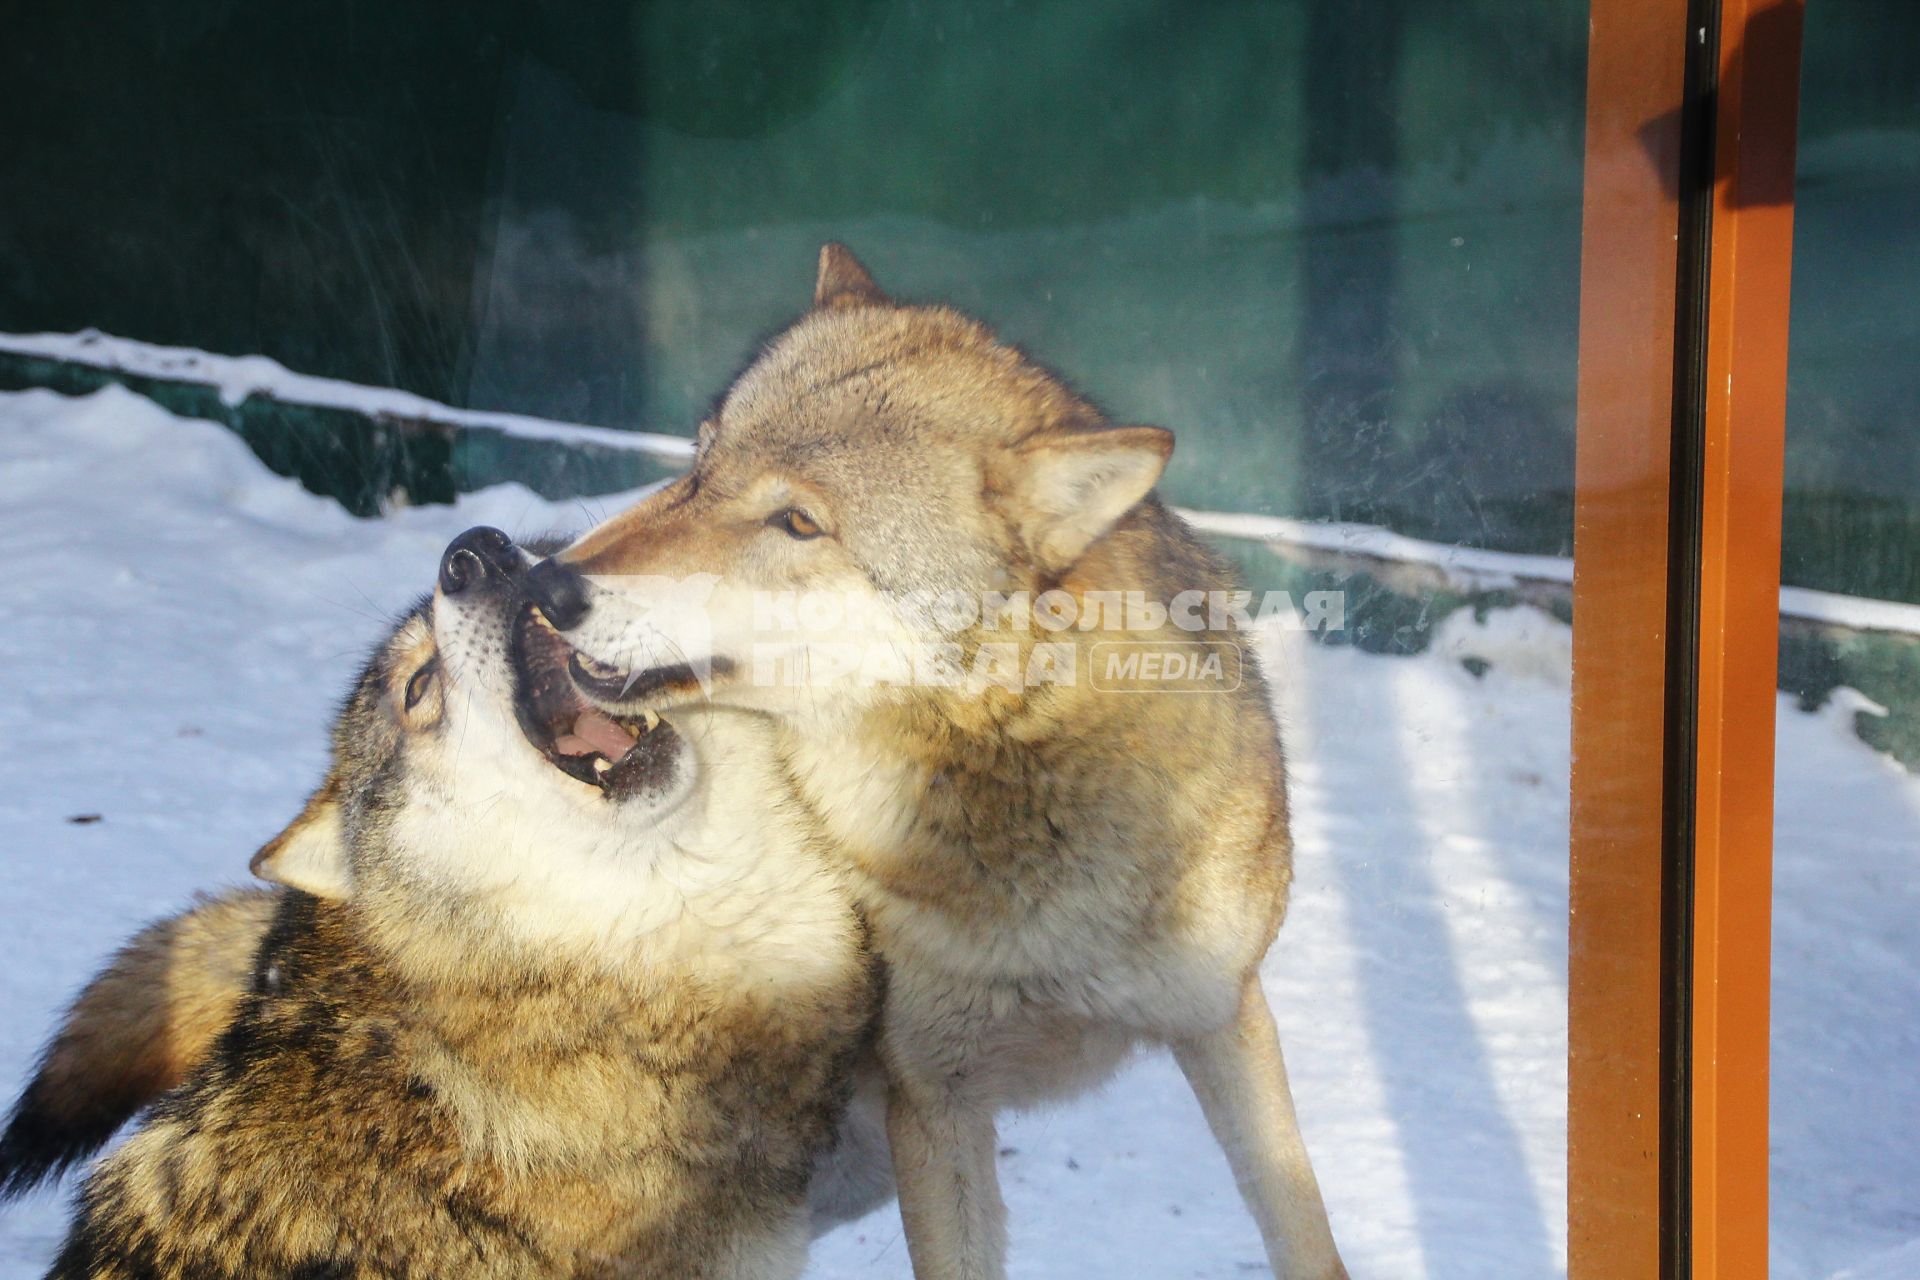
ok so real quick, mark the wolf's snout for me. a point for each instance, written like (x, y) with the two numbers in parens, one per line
(475, 556)
(560, 592)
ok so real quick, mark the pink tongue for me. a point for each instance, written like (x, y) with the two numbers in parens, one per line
(595, 731)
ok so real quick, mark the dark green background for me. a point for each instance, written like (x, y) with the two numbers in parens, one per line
(1334, 244)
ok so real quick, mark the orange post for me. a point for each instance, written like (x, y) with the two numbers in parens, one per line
(1686, 264)
(1636, 66)
(1750, 270)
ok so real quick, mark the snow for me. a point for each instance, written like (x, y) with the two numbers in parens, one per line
(240, 378)
(1477, 569)
(1901, 1263)
(1469, 569)
(1854, 613)
(180, 623)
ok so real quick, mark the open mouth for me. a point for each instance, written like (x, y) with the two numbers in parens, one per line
(620, 754)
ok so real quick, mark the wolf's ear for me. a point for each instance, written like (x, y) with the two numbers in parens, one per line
(311, 854)
(843, 282)
(1073, 486)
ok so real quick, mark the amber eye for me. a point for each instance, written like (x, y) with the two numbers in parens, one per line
(420, 682)
(797, 524)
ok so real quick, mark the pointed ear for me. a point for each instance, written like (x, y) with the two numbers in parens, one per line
(843, 282)
(311, 854)
(1073, 486)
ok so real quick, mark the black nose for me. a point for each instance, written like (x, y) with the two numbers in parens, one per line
(475, 556)
(560, 592)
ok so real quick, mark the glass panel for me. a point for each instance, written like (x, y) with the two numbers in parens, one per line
(1317, 218)
(1845, 1003)
(1334, 247)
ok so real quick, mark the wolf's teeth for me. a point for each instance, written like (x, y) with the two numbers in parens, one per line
(594, 667)
(601, 764)
(651, 719)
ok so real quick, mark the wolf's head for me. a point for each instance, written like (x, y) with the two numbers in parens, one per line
(874, 454)
(470, 781)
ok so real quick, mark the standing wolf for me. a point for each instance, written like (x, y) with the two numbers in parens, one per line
(596, 1018)
(1053, 872)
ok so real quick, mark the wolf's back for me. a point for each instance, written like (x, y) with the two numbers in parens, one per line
(135, 1032)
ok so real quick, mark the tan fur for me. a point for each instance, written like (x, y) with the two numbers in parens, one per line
(140, 1026)
(343, 1124)
(305, 855)
(155, 1014)
(188, 960)
(1053, 874)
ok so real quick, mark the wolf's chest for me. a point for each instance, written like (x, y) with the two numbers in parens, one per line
(996, 834)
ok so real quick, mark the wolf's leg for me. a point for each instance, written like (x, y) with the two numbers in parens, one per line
(1241, 1080)
(943, 1157)
(856, 1177)
(778, 1251)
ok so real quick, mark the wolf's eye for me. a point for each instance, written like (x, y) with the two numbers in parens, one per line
(797, 523)
(420, 682)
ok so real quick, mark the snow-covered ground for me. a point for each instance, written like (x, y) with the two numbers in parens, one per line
(180, 622)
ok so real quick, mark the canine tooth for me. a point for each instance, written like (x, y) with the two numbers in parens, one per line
(601, 764)
(594, 667)
(651, 719)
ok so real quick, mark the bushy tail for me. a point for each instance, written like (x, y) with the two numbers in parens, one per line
(135, 1032)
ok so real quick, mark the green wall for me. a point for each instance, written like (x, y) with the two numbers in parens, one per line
(1334, 244)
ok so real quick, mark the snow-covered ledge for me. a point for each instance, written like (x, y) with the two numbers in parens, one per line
(238, 379)
(1470, 569)
(1411, 562)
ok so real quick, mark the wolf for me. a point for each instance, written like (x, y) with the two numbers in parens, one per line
(548, 992)
(1056, 870)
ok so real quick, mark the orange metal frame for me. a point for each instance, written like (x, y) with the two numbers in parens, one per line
(1623, 486)
(1739, 622)
(1677, 543)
